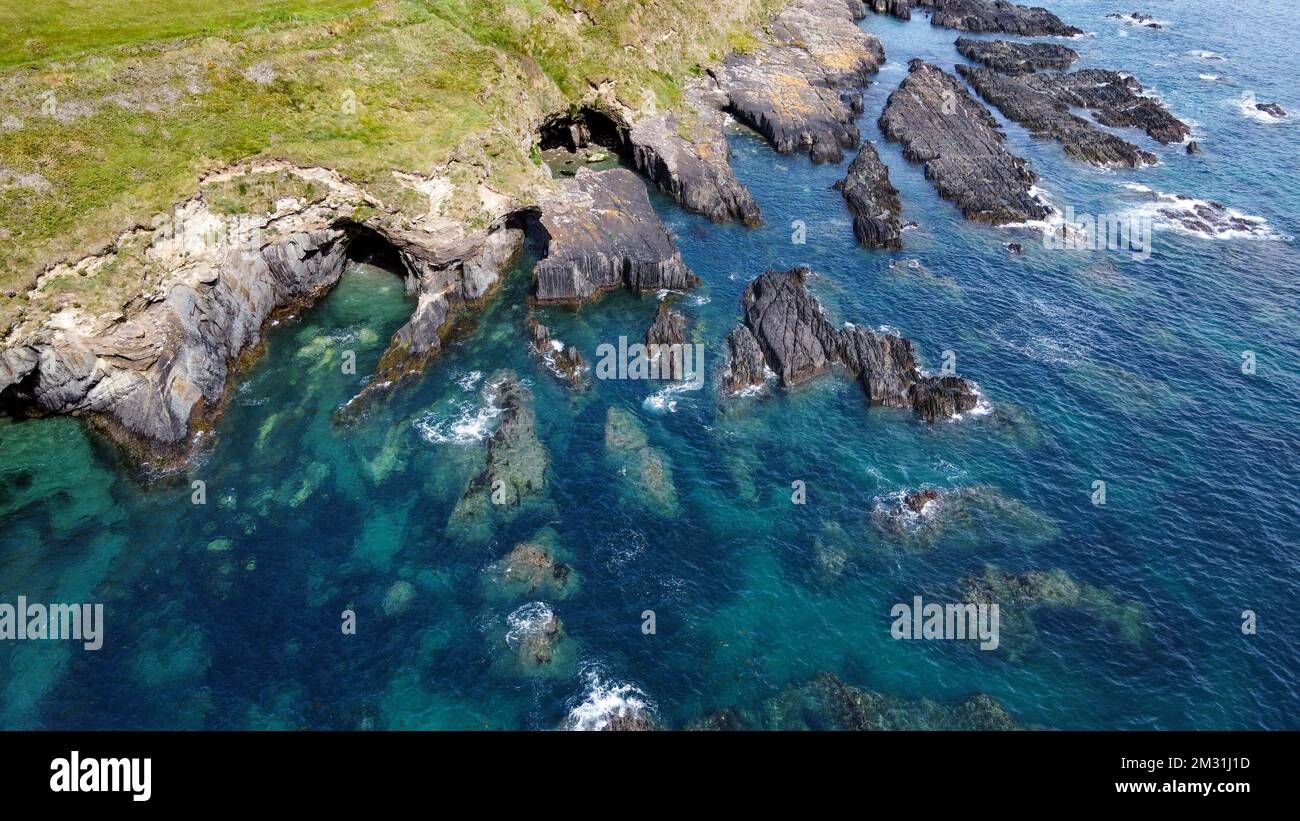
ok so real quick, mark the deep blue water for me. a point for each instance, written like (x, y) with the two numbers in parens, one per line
(1097, 366)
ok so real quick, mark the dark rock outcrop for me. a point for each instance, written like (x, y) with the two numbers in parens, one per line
(562, 360)
(443, 285)
(687, 156)
(745, 366)
(1042, 103)
(942, 126)
(601, 234)
(803, 92)
(668, 329)
(1017, 58)
(902, 9)
(873, 200)
(1035, 106)
(515, 470)
(997, 15)
(798, 342)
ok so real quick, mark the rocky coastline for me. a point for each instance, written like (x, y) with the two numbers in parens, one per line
(997, 16)
(1043, 103)
(943, 127)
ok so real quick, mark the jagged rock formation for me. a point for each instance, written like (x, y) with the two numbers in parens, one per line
(515, 470)
(667, 329)
(1043, 102)
(798, 342)
(688, 157)
(873, 200)
(562, 360)
(942, 126)
(442, 284)
(1044, 116)
(600, 234)
(803, 92)
(997, 15)
(1017, 58)
(646, 471)
(902, 9)
(745, 367)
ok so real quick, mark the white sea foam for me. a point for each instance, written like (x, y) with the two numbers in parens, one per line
(1197, 217)
(461, 422)
(664, 400)
(982, 408)
(1207, 55)
(470, 380)
(604, 699)
(527, 620)
(1246, 105)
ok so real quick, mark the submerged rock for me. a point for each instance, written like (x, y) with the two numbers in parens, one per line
(826, 702)
(1017, 58)
(919, 521)
(1043, 102)
(515, 471)
(798, 342)
(534, 569)
(564, 361)
(537, 641)
(997, 15)
(873, 200)
(803, 91)
(1136, 19)
(1020, 596)
(645, 469)
(398, 597)
(958, 141)
(601, 234)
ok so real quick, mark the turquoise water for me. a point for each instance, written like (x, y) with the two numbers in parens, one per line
(1097, 366)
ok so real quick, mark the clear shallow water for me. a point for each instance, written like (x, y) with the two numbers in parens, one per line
(1098, 366)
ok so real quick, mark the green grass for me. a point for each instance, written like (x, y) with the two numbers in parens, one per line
(56, 29)
(116, 119)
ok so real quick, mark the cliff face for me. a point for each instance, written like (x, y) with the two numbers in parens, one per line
(141, 332)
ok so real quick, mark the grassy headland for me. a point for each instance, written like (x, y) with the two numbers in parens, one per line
(111, 111)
